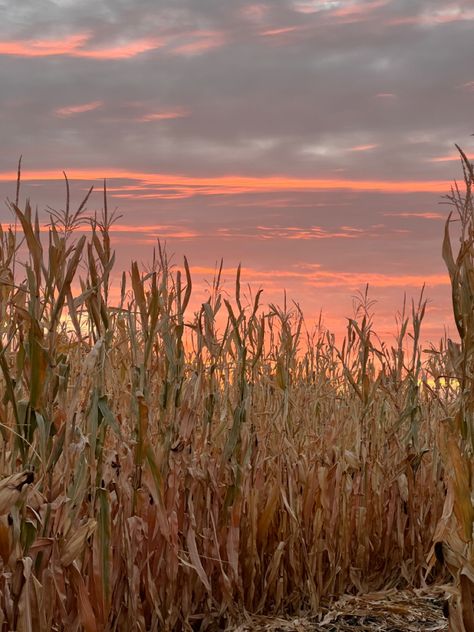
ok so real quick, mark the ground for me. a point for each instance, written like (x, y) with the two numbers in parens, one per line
(385, 611)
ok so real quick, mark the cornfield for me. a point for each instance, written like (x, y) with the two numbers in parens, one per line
(169, 470)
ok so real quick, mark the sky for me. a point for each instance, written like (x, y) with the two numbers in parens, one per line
(311, 141)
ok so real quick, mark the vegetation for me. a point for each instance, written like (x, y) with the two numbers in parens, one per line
(164, 470)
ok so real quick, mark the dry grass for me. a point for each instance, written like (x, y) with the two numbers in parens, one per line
(186, 475)
(409, 610)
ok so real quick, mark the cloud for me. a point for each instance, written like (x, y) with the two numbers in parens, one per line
(363, 147)
(162, 116)
(378, 280)
(430, 17)
(71, 110)
(74, 46)
(335, 149)
(356, 10)
(305, 233)
(121, 51)
(316, 6)
(341, 10)
(228, 185)
(133, 231)
(68, 45)
(451, 157)
(280, 31)
(427, 215)
(197, 43)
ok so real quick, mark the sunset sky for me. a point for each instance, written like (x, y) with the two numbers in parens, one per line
(311, 141)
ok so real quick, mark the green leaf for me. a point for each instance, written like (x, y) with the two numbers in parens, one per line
(108, 415)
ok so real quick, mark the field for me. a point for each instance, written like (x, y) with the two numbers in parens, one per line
(168, 470)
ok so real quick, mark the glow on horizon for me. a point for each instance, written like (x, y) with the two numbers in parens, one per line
(230, 184)
(316, 276)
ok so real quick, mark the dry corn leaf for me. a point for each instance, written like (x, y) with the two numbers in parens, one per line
(11, 489)
(84, 606)
(74, 543)
(196, 560)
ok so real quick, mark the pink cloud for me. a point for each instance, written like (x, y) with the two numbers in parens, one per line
(426, 215)
(71, 110)
(165, 229)
(385, 95)
(163, 116)
(80, 45)
(363, 147)
(44, 48)
(167, 233)
(356, 11)
(74, 46)
(280, 31)
(122, 51)
(450, 157)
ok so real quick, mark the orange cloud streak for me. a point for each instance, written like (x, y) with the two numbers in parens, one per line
(230, 185)
(450, 157)
(154, 231)
(427, 215)
(73, 46)
(161, 230)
